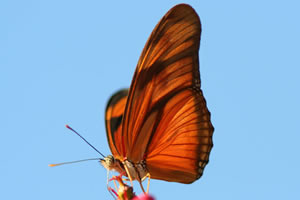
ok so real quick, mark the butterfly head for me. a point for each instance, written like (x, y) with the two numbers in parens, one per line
(110, 163)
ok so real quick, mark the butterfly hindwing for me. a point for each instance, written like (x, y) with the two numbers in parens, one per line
(181, 145)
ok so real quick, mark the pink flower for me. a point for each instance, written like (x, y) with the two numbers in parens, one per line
(143, 197)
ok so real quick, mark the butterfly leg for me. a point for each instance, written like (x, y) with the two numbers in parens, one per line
(130, 167)
(148, 184)
(140, 182)
(129, 176)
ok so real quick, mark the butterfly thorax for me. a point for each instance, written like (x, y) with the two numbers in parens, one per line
(137, 171)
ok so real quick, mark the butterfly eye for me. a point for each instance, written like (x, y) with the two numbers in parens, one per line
(110, 159)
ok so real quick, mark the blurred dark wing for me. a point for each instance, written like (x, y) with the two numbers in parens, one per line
(166, 120)
(113, 120)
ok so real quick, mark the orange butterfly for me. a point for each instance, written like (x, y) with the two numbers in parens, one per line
(160, 128)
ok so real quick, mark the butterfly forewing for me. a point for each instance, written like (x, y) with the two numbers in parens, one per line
(113, 121)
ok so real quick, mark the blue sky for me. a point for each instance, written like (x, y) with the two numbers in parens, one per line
(61, 60)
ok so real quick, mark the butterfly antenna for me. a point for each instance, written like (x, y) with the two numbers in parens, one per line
(64, 163)
(85, 140)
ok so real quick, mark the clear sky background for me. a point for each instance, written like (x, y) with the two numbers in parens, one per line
(61, 60)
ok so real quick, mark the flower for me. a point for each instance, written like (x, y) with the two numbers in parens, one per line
(143, 197)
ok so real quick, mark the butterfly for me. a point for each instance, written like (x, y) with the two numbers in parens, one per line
(161, 128)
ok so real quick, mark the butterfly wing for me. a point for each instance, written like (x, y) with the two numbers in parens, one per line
(166, 120)
(180, 148)
(113, 120)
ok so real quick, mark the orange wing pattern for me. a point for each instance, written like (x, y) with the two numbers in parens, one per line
(113, 120)
(166, 121)
(180, 147)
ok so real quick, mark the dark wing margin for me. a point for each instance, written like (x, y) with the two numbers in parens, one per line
(113, 120)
